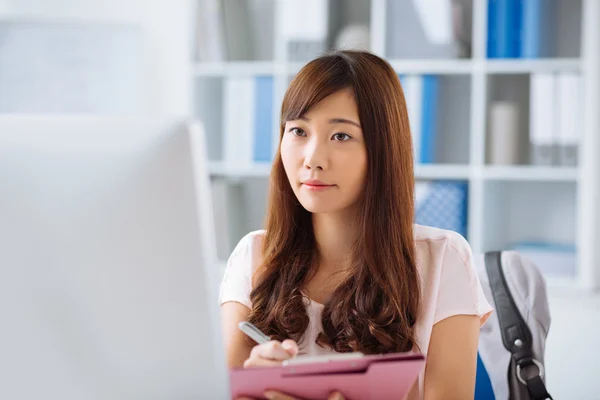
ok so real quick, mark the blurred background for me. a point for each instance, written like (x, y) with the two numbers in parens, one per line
(502, 98)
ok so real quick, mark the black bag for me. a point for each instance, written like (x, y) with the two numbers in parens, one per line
(512, 283)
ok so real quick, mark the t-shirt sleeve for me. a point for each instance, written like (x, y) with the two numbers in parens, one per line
(237, 279)
(460, 291)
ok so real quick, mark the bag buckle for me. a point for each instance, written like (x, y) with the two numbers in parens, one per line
(535, 363)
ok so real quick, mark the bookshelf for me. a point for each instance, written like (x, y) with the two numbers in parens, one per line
(528, 66)
(431, 171)
(439, 67)
(501, 199)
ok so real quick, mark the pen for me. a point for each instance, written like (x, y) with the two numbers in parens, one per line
(254, 333)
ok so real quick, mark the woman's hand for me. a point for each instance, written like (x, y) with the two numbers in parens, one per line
(271, 354)
(273, 395)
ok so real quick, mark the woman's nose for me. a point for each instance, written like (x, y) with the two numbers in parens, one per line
(315, 156)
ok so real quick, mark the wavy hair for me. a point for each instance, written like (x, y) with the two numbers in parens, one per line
(375, 308)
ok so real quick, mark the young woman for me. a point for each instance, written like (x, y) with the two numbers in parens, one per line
(341, 266)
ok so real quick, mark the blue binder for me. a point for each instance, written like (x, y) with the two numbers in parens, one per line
(504, 28)
(539, 26)
(263, 129)
(443, 204)
(429, 118)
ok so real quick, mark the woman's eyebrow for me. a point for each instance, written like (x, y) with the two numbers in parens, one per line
(336, 121)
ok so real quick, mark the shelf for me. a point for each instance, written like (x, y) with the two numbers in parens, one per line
(441, 67)
(530, 173)
(525, 66)
(438, 67)
(219, 169)
(467, 66)
(237, 68)
(441, 171)
(431, 171)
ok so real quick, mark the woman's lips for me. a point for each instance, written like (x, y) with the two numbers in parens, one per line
(316, 185)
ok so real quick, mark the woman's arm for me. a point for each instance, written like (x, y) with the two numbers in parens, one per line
(237, 349)
(452, 358)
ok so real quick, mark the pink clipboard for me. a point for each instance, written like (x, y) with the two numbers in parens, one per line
(380, 377)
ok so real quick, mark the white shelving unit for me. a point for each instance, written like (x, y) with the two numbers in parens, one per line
(574, 186)
(535, 174)
(532, 66)
(432, 171)
(438, 67)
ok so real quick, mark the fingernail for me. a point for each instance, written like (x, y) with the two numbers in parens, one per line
(288, 346)
(271, 395)
(336, 396)
(290, 349)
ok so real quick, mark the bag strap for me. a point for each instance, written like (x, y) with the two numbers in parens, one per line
(516, 335)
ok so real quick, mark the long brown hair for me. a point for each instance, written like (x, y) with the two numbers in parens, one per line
(375, 308)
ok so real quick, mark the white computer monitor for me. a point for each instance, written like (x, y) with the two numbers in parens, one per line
(108, 272)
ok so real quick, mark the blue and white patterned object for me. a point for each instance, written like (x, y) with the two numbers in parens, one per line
(442, 205)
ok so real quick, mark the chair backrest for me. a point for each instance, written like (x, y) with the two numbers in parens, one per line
(483, 384)
(528, 289)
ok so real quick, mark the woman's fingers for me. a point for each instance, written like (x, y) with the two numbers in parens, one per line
(272, 350)
(261, 362)
(271, 354)
(335, 396)
(273, 395)
(290, 347)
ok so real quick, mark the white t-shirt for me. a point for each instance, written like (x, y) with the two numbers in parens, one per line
(449, 284)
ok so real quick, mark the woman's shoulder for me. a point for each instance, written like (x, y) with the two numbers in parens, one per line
(435, 248)
(236, 284)
(250, 241)
(431, 238)
(449, 280)
(249, 249)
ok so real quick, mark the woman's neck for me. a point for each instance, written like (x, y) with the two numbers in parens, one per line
(335, 235)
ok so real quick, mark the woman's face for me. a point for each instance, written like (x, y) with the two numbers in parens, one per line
(324, 154)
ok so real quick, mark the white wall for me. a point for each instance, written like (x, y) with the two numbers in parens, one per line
(166, 23)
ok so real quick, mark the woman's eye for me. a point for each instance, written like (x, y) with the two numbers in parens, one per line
(341, 137)
(298, 132)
